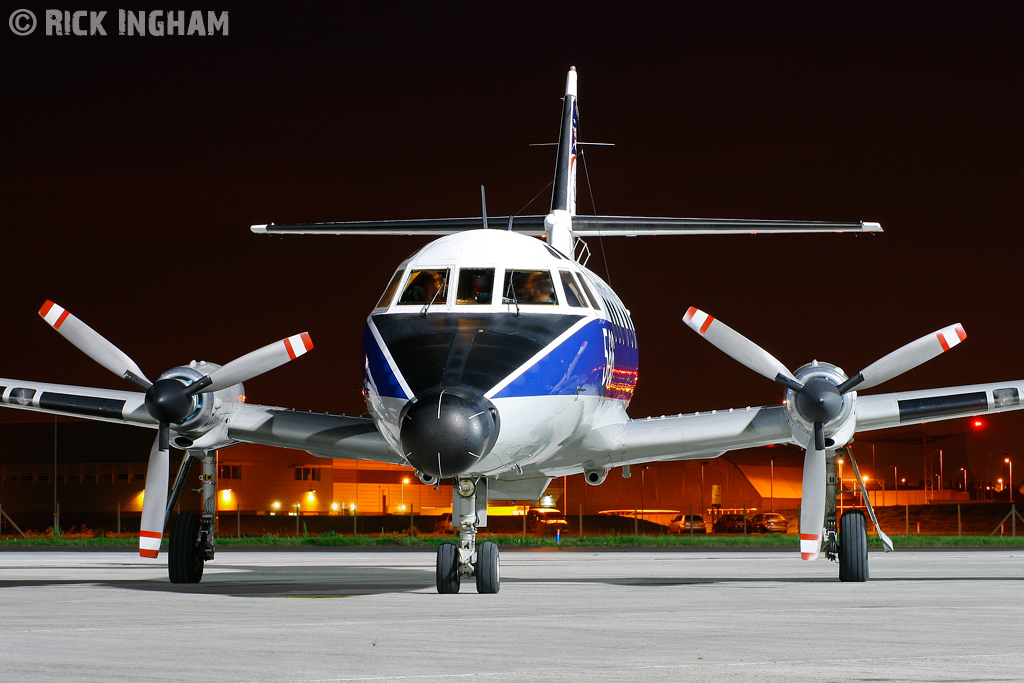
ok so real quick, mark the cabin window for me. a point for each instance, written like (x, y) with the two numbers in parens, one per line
(573, 296)
(389, 293)
(528, 287)
(475, 286)
(426, 287)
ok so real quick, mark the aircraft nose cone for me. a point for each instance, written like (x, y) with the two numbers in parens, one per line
(445, 431)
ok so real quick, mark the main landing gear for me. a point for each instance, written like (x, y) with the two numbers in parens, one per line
(850, 545)
(192, 537)
(467, 560)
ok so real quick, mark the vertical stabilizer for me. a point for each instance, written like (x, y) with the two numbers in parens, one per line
(563, 194)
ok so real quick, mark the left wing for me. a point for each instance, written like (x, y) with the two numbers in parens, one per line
(322, 434)
(710, 434)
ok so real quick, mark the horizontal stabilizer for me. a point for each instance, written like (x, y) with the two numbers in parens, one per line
(582, 226)
(629, 226)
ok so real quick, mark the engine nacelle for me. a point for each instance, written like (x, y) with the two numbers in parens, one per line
(596, 477)
(839, 430)
(204, 420)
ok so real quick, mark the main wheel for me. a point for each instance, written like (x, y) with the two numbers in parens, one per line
(488, 568)
(447, 568)
(185, 558)
(853, 547)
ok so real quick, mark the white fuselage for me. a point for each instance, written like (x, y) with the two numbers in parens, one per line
(501, 315)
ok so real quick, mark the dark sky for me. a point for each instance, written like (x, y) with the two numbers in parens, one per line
(133, 166)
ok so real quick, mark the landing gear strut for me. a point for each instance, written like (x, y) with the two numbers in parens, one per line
(192, 537)
(465, 560)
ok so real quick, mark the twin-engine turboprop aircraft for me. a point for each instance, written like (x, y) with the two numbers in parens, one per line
(499, 361)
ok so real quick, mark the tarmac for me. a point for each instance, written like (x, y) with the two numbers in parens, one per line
(342, 615)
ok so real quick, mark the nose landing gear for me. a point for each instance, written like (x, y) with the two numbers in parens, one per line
(466, 560)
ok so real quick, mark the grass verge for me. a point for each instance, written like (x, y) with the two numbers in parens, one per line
(331, 539)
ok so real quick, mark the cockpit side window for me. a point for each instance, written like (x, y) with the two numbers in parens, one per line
(475, 286)
(590, 294)
(389, 293)
(528, 287)
(426, 287)
(573, 296)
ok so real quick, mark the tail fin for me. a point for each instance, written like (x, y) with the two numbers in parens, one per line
(563, 193)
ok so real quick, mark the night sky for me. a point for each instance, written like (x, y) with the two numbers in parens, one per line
(133, 167)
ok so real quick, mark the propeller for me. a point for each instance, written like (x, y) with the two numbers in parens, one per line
(169, 401)
(819, 400)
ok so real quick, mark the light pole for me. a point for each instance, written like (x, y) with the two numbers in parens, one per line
(643, 470)
(965, 478)
(772, 485)
(1010, 463)
(940, 474)
(896, 483)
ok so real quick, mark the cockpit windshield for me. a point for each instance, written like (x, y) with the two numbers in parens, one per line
(528, 287)
(389, 293)
(475, 286)
(426, 287)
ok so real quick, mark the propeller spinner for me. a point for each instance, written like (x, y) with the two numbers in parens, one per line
(169, 401)
(819, 399)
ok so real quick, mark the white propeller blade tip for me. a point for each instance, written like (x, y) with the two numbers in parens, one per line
(149, 543)
(53, 314)
(698, 319)
(298, 345)
(810, 546)
(951, 336)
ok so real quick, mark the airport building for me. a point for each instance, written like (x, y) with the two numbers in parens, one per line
(92, 470)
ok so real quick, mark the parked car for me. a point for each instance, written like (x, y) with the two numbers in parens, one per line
(545, 521)
(682, 524)
(444, 524)
(730, 524)
(768, 523)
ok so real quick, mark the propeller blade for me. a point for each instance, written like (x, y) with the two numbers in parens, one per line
(154, 504)
(906, 358)
(812, 502)
(93, 344)
(740, 348)
(254, 363)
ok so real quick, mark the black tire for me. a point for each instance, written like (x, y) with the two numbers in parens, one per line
(488, 568)
(447, 568)
(185, 559)
(853, 547)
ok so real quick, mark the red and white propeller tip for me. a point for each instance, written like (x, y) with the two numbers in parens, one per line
(53, 314)
(258, 362)
(154, 504)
